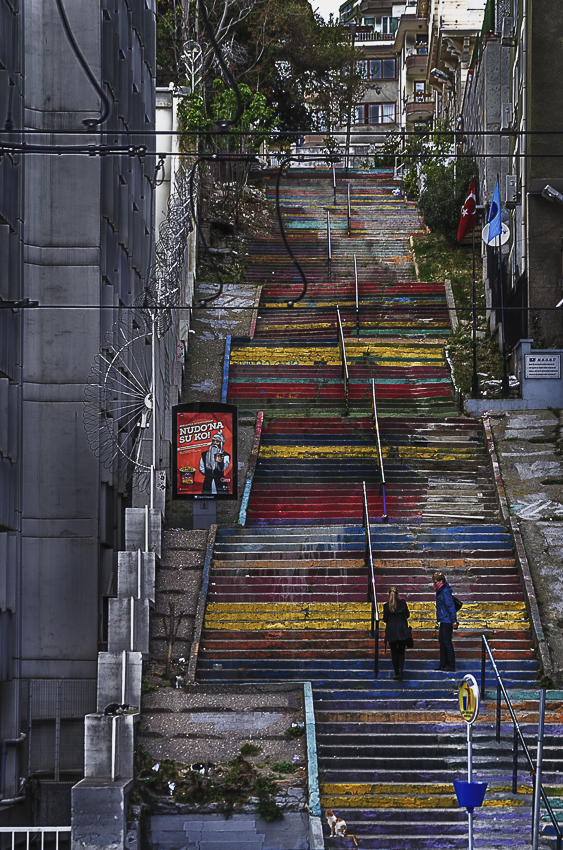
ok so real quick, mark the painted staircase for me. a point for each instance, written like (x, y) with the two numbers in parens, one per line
(288, 593)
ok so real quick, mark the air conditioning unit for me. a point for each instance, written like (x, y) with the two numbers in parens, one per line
(512, 195)
(508, 33)
(506, 117)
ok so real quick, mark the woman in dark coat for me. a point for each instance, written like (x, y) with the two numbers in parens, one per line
(397, 633)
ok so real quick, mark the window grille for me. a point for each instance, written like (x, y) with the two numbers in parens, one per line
(56, 725)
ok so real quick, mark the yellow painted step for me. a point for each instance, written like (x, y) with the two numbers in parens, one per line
(243, 616)
(370, 452)
(413, 796)
(398, 354)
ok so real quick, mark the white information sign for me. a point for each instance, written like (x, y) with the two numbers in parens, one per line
(543, 366)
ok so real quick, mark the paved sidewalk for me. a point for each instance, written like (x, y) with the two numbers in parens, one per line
(531, 466)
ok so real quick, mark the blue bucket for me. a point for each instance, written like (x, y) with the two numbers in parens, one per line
(470, 795)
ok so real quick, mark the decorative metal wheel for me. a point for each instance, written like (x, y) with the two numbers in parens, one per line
(119, 403)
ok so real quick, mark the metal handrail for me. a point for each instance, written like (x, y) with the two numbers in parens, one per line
(486, 650)
(342, 350)
(349, 211)
(357, 297)
(375, 418)
(372, 594)
(328, 244)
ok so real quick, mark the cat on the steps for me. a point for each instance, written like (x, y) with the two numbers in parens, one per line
(338, 826)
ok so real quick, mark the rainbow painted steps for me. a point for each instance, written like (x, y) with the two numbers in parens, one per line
(409, 390)
(312, 469)
(285, 604)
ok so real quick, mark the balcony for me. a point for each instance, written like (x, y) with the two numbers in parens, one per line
(373, 36)
(419, 111)
(416, 65)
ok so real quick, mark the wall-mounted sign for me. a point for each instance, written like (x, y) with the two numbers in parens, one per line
(546, 366)
(205, 451)
(469, 698)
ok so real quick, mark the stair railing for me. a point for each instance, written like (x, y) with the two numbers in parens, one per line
(372, 594)
(375, 421)
(349, 211)
(342, 352)
(328, 244)
(357, 297)
(518, 736)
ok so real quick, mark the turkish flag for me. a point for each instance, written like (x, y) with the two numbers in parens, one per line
(468, 214)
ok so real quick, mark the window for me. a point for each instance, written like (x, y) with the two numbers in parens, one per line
(389, 25)
(381, 69)
(369, 22)
(419, 93)
(375, 113)
(381, 113)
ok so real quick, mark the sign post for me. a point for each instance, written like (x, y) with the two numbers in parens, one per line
(469, 794)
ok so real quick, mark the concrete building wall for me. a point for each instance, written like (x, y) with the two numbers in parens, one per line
(544, 66)
(85, 227)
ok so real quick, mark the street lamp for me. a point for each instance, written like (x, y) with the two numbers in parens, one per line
(352, 29)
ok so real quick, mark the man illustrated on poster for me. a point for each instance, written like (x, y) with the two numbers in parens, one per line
(213, 465)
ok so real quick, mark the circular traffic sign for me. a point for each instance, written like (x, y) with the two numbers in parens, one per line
(469, 699)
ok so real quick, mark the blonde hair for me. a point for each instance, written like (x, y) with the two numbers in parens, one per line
(393, 599)
(438, 577)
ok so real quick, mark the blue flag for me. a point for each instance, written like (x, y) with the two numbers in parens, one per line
(495, 225)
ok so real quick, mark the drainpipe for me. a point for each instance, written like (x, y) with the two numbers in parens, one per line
(524, 145)
(5, 744)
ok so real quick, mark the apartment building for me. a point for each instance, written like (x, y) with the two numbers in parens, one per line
(76, 233)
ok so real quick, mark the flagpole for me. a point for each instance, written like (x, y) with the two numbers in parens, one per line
(505, 384)
(475, 379)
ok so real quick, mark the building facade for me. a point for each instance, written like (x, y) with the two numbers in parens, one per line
(77, 237)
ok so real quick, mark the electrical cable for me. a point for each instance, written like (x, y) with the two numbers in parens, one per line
(284, 237)
(199, 230)
(223, 125)
(142, 150)
(88, 150)
(106, 111)
(284, 133)
(27, 303)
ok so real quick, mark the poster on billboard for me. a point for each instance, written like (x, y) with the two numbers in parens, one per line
(205, 451)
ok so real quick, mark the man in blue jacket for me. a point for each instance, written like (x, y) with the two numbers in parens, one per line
(447, 620)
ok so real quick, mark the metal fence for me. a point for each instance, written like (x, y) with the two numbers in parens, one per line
(43, 837)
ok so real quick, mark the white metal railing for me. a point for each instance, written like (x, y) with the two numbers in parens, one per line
(23, 835)
(374, 36)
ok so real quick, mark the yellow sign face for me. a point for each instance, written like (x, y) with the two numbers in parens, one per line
(469, 699)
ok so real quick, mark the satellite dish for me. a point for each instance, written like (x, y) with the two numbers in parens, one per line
(504, 235)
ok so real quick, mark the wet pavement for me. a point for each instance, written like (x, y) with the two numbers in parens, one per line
(529, 454)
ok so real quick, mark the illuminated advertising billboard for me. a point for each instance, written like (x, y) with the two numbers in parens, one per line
(205, 451)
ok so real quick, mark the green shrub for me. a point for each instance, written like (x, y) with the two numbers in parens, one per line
(284, 767)
(249, 749)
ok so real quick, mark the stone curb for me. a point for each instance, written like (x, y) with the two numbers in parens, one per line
(312, 762)
(201, 603)
(255, 309)
(450, 301)
(521, 558)
(253, 460)
(499, 484)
